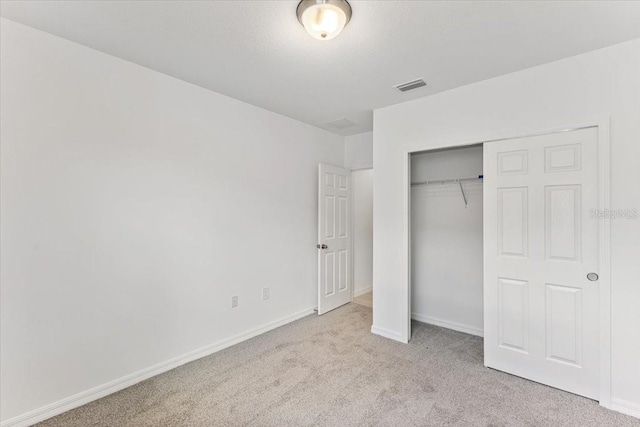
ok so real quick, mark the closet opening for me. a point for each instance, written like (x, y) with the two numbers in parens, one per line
(446, 238)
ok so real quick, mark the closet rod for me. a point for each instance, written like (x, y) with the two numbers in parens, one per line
(458, 181)
(447, 181)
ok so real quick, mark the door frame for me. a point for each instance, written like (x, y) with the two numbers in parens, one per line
(602, 123)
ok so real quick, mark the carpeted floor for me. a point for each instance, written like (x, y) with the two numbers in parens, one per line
(330, 371)
(364, 299)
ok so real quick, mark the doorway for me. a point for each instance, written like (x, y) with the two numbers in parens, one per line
(363, 236)
(345, 237)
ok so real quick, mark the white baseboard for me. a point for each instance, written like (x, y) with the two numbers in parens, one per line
(362, 291)
(471, 330)
(625, 407)
(71, 402)
(387, 333)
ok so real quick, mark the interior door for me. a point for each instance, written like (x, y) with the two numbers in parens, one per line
(541, 259)
(335, 244)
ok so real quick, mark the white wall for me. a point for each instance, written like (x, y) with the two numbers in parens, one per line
(134, 206)
(358, 151)
(362, 230)
(446, 241)
(574, 90)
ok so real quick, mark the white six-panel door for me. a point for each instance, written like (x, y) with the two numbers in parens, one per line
(540, 244)
(334, 238)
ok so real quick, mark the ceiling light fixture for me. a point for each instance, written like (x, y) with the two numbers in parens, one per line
(324, 19)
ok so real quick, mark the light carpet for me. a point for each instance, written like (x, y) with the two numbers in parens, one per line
(331, 371)
(364, 299)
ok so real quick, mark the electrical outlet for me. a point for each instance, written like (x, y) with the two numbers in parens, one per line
(234, 301)
(265, 293)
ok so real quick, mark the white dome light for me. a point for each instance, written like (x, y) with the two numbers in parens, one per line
(324, 19)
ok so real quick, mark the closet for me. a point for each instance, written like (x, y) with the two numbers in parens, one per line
(446, 238)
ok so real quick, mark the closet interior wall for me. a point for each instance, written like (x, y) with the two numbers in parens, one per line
(446, 240)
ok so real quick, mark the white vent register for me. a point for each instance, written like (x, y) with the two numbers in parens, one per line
(415, 84)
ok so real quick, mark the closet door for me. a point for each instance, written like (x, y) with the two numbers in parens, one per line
(541, 259)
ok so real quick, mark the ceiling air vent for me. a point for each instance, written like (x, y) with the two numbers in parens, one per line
(415, 84)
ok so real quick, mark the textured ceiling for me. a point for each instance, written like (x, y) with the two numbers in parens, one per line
(257, 52)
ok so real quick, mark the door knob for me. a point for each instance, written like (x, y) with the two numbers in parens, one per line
(592, 277)
(321, 246)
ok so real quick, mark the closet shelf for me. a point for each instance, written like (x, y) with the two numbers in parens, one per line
(447, 181)
(458, 181)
